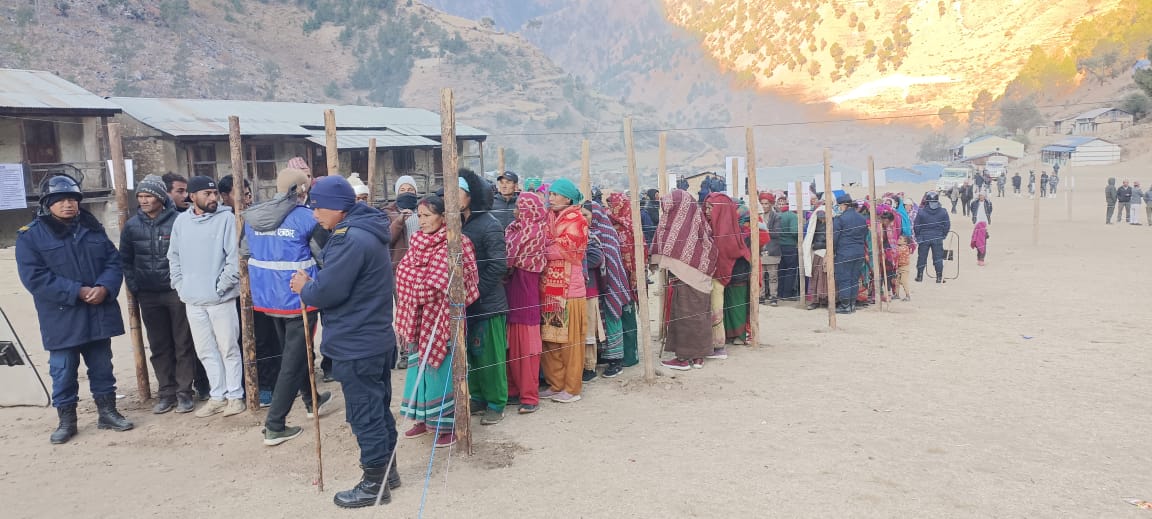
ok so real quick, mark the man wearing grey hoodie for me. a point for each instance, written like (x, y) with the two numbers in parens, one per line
(203, 260)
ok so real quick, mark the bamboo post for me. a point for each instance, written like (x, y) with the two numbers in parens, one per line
(499, 161)
(456, 277)
(315, 396)
(830, 251)
(872, 227)
(643, 324)
(116, 149)
(801, 230)
(372, 171)
(1036, 213)
(662, 274)
(754, 282)
(331, 150)
(586, 170)
(247, 331)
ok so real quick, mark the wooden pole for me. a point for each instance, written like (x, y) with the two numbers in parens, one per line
(754, 282)
(662, 274)
(1036, 213)
(499, 161)
(116, 150)
(331, 151)
(315, 396)
(643, 324)
(872, 227)
(456, 278)
(801, 230)
(830, 251)
(586, 170)
(247, 330)
(372, 171)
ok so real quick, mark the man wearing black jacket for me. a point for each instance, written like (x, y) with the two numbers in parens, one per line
(144, 254)
(931, 226)
(1123, 202)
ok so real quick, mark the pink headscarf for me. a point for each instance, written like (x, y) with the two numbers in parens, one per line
(526, 235)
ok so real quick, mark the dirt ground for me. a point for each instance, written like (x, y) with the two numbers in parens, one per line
(1019, 389)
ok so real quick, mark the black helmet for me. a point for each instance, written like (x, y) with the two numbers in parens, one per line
(59, 186)
(931, 196)
(597, 195)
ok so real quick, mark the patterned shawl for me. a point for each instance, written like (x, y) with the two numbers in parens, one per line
(613, 279)
(422, 292)
(527, 235)
(684, 235)
(620, 211)
(569, 235)
(727, 234)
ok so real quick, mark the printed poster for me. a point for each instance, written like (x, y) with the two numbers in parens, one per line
(13, 195)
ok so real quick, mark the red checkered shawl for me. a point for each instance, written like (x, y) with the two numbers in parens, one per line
(422, 292)
(569, 233)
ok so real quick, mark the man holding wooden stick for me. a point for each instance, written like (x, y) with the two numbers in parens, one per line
(354, 294)
(278, 235)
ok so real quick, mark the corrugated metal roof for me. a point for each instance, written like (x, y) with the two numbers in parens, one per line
(209, 117)
(1092, 114)
(354, 140)
(39, 90)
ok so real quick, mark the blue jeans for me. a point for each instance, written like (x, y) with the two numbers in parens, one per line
(64, 365)
(367, 389)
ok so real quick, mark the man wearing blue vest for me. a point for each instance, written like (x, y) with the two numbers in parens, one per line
(278, 241)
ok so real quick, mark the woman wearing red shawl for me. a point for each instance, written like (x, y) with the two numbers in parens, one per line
(620, 212)
(684, 246)
(422, 322)
(563, 294)
(730, 282)
(526, 237)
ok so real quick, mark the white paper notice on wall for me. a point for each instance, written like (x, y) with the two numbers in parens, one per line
(807, 198)
(127, 172)
(12, 192)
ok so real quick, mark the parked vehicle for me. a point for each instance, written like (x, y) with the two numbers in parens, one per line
(953, 176)
(996, 166)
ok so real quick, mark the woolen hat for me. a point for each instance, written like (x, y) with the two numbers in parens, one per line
(298, 163)
(289, 177)
(153, 185)
(200, 183)
(332, 192)
(566, 189)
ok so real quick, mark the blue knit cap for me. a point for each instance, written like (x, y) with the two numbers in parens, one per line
(332, 192)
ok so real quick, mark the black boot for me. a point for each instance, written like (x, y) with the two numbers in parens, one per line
(919, 275)
(364, 493)
(110, 418)
(67, 428)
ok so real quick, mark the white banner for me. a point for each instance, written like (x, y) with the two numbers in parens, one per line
(127, 172)
(12, 192)
(806, 191)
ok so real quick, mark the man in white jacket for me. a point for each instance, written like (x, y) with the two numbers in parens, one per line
(204, 267)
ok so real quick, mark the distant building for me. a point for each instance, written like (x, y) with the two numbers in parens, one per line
(979, 161)
(1094, 122)
(49, 126)
(190, 137)
(982, 146)
(1081, 151)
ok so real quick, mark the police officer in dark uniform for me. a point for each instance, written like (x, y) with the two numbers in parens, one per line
(72, 269)
(850, 237)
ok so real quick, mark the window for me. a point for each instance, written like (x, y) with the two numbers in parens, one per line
(41, 145)
(403, 161)
(437, 161)
(204, 160)
(265, 160)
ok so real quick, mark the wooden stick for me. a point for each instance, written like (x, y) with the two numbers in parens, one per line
(586, 170)
(499, 161)
(662, 274)
(116, 148)
(801, 231)
(331, 151)
(643, 324)
(372, 171)
(754, 282)
(830, 251)
(315, 396)
(247, 330)
(456, 279)
(873, 225)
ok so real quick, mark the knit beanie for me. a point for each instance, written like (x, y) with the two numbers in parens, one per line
(289, 177)
(566, 189)
(153, 185)
(332, 192)
(298, 163)
(404, 180)
(358, 186)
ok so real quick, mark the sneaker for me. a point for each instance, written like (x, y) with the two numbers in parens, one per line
(325, 397)
(211, 408)
(164, 404)
(565, 397)
(274, 438)
(719, 353)
(698, 363)
(613, 370)
(235, 407)
(528, 408)
(476, 407)
(677, 364)
(548, 393)
(184, 403)
(327, 377)
(513, 400)
(446, 440)
(201, 394)
(589, 375)
(265, 398)
(418, 430)
(403, 362)
(772, 302)
(492, 417)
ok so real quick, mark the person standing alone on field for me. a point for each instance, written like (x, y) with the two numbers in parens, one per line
(144, 243)
(203, 261)
(1016, 181)
(1110, 199)
(72, 270)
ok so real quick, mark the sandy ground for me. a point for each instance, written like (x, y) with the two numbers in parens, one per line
(1017, 390)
